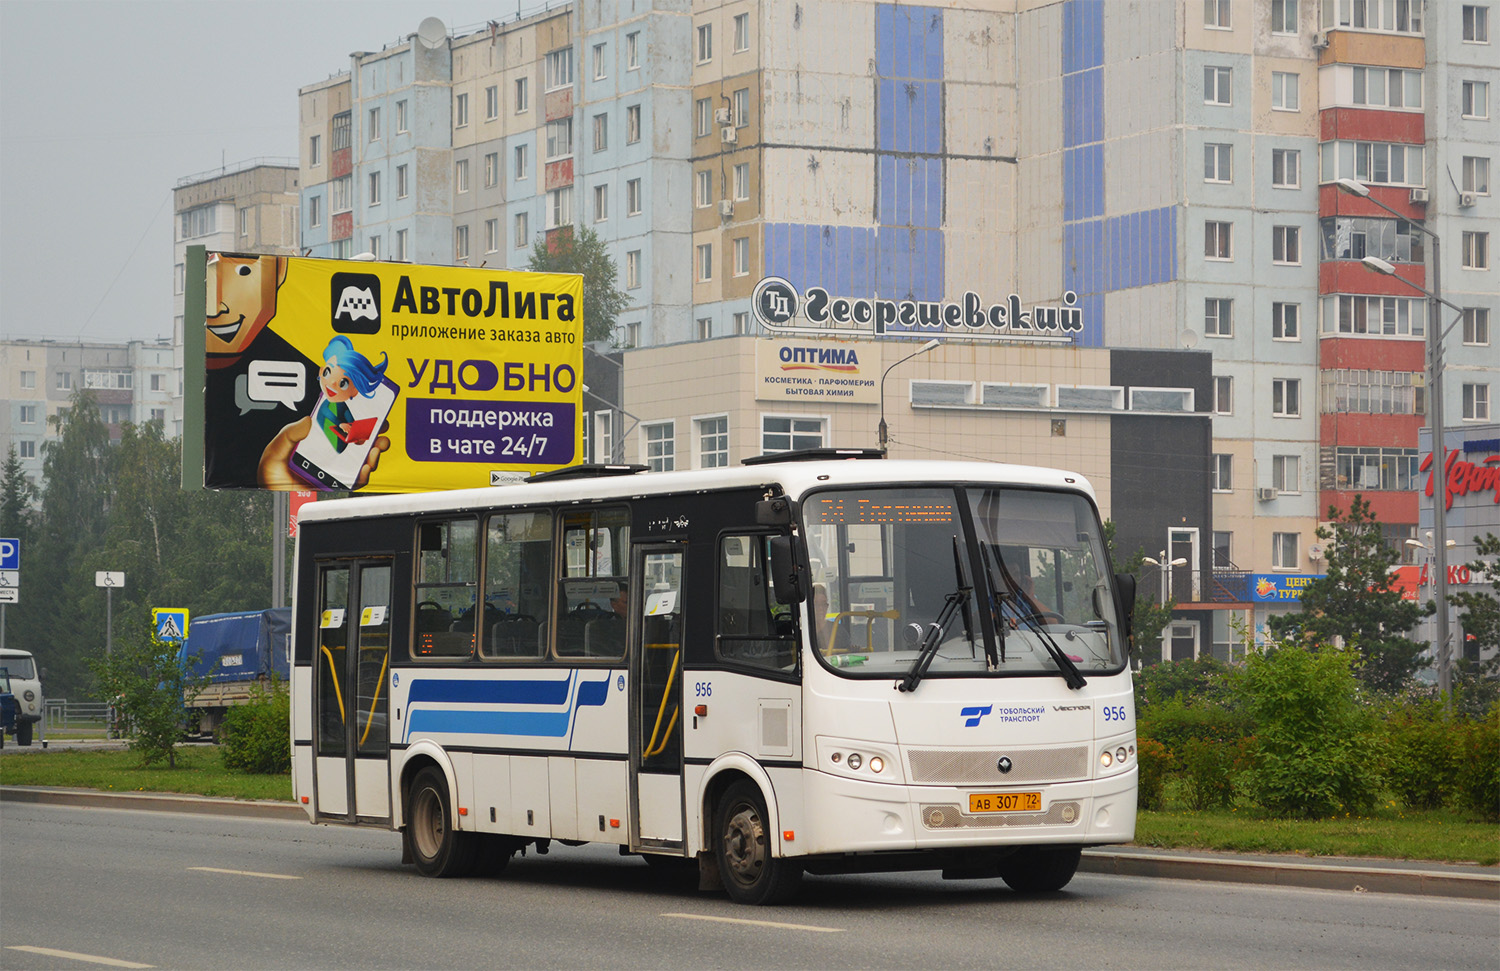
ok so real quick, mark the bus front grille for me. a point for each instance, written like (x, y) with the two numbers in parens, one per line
(970, 767)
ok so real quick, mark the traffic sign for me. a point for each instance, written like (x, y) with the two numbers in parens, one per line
(171, 623)
(10, 595)
(109, 578)
(10, 554)
(10, 578)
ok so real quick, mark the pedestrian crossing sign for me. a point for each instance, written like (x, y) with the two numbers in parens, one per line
(171, 623)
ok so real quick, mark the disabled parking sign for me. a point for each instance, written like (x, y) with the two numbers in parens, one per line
(10, 554)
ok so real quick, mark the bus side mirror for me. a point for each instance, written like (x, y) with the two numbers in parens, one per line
(1125, 603)
(776, 511)
(786, 574)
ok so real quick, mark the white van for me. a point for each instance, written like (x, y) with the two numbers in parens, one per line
(26, 685)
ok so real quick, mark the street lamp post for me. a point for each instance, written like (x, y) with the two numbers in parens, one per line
(921, 350)
(1435, 334)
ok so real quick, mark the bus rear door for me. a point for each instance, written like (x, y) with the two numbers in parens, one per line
(656, 698)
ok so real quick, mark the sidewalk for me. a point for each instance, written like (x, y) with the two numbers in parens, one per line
(1417, 877)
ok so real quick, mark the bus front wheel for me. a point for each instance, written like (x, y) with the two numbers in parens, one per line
(436, 847)
(751, 873)
(1040, 869)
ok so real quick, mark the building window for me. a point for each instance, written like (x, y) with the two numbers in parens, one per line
(461, 175)
(1218, 317)
(705, 262)
(315, 150)
(159, 415)
(523, 97)
(179, 277)
(1477, 326)
(703, 111)
(374, 247)
(632, 269)
(742, 256)
(1476, 99)
(1218, 161)
(1223, 544)
(704, 195)
(341, 192)
(1476, 23)
(741, 321)
(1476, 250)
(633, 334)
(560, 207)
(1395, 240)
(713, 442)
(314, 212)
(1404, 18)
(1223, 395)
(1216, 14)
(1373, 163)
(601, 203)
(1387, 87)
(64, 380)
(1476, 174)
(491, 170)
(598, 56)
(742, 181)
(1286, 398)
(1284, 91)
(1223, 477)
(1216, 86)
(1285, 324)
(199, 221)
(559, 68)
(373, 116)
(1286, 473)
(28, 380)
(1374, 316)
(28, 412)
(342, 124)
(520, 164)
(1284, 551)
(158, 382)
(1286, 168)
(705, 42)
(492, 102)
(1217, 240)
(491, 235)
(632, 124)
(632, 197)
(601, 132)
(1476, 402)
(245, 221)
(401, 117)
(1283, 16)
(461, 243)
(705, 328)
(522, 230)
(741, 32)
(741, 107)
(632, 50)
(26, 449)
(787, 434)
(461, 111)
(1286, 244)
(401, 245)
(1380, 469)
(661, 446)
(559, 138)
(402, 186)
(604, 436)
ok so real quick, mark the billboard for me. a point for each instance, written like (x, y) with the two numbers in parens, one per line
(820, 371)
(386, 377)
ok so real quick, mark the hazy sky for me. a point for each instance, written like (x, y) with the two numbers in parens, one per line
(105, 105)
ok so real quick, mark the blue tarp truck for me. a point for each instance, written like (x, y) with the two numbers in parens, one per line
(237, 652)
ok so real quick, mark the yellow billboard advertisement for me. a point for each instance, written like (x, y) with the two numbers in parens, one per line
(387, 377)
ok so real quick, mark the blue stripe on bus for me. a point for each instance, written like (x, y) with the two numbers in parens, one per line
(554, 724)
(516, 692)
(551, 724)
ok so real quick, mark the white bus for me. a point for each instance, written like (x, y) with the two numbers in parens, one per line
(807, 664)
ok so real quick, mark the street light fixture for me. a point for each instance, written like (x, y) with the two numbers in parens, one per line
(1435, 334)
(921, 350)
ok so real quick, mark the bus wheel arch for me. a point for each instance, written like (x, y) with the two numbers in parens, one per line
(418, 757)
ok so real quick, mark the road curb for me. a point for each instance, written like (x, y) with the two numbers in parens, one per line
(1475, 884)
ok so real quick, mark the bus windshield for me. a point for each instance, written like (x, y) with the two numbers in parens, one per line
(1025, 568)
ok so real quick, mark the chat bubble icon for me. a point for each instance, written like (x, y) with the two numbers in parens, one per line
(277, 381)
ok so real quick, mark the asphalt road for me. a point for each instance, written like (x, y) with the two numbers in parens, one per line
(178, 890)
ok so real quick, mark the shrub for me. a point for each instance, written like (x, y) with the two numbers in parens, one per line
(1211, 770)
(1205, 679)
(1423, 746)
(1477, 780)
(1316, 748)
(1153, 764)
(257, 737)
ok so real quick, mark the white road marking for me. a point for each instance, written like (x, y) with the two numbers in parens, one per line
(761, 923)
(244, 873)
(75, 956)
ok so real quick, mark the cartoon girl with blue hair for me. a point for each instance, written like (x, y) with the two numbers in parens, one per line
(345, 373)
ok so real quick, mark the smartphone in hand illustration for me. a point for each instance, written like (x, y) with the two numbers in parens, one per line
(331, 455)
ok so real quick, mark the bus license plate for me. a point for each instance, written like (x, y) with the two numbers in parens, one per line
(1005, 802)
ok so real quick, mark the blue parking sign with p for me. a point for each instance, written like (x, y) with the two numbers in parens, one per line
(10, 554)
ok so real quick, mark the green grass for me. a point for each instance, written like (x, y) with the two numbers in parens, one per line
(199, 771)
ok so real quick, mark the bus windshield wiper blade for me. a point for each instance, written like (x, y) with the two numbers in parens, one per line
(1071, 675)
(952, 604)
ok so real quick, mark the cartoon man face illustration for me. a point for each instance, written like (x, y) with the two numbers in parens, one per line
(241, 299)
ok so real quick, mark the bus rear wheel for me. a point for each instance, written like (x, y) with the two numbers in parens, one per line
(436, 847)
(1040, 869)
(751, 873)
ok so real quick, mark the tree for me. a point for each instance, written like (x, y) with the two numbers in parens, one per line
(16, 495)
(1356, 602)
(570, 250)
(146, 680)
(1474, 678)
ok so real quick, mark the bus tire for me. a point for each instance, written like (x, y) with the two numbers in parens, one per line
(751, 872)
(1040, 869)
(494, 853)
(436, 847)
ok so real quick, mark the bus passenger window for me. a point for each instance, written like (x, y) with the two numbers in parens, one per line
(753, 628)
(592, 592)
(444, 619)
(517, 572)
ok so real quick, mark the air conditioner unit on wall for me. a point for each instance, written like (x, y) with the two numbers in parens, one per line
(1320, 40)
(729, 135)
(1466, 199)
(726, 208)
(1265, 493)
(1419, 197)
(721, 116)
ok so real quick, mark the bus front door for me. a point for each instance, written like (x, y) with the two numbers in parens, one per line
(351, 734)
(656, 700)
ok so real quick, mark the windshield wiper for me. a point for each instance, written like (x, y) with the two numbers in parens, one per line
(1072, 677)
(952, 604)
